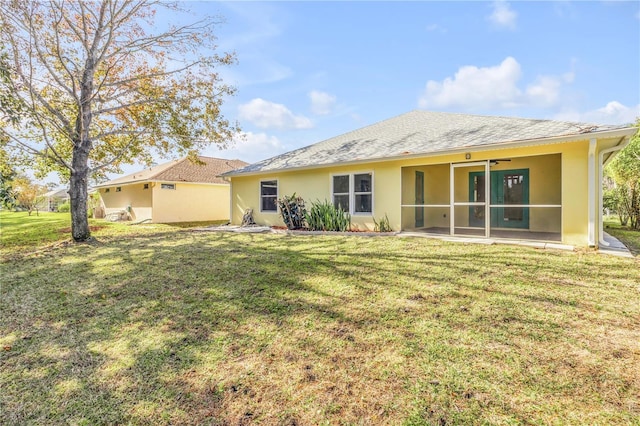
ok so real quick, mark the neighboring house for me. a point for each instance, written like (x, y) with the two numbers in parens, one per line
(177, 191)
(52, 199)
(427, 172)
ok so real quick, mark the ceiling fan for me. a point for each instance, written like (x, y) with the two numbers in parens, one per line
(498, 160)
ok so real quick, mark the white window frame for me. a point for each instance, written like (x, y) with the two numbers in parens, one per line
(352, 193)
(260, 195)
(348, 194)
(171, 186)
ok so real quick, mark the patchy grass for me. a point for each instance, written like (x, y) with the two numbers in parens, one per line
(626, 235)
(20, 233)
(213, 328)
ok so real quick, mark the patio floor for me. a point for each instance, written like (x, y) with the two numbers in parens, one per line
(495, 233)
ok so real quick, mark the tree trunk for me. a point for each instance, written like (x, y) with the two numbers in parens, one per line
(78, 196)
(78, 193)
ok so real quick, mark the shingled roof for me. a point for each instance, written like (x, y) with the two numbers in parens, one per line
(182, 170)
(421, 133)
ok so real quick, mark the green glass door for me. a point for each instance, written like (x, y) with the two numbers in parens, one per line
(507, 187)
(419, 199)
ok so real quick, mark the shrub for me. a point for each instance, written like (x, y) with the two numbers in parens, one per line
(383, 225)
(64, 208)
(324, 216)
(293, 211)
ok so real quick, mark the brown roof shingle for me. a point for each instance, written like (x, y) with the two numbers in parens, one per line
(182, 170)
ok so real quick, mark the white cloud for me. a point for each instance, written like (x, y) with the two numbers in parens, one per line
(612, 113)
(544, 92)
(474, 87)
(503, 16)
(269, 115)
(436, 28)
(249, 147)
(321, 102)
(496, 86)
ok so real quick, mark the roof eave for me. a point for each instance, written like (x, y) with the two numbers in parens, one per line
(626, 132)
(106, 184)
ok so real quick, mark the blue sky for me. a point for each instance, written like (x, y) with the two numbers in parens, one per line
(308, 71)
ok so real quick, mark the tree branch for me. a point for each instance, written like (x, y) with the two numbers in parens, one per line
(116, 158)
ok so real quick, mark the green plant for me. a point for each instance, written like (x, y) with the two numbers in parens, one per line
(383, 225)
(64, 208)
(93, 203)
(293, 211)
(325, 216)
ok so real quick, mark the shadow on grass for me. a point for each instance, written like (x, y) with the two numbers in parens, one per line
(192, 328)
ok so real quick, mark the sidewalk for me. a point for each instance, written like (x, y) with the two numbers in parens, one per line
(615, 248)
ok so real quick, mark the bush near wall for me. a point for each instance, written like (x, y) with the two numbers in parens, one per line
(325, 216)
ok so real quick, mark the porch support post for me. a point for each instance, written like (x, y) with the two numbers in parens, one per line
(452, 225)
(487, 198)
(591, 192)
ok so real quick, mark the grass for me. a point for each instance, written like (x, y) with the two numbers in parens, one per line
(166, 327)
(627, 236)
(21, 233)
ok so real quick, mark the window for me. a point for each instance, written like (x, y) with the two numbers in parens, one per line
(168, 186)
(269, 196)
(362, 193)
(118, 189)
(341, 192)
(107, 190)
(146, 186)
(353, 193)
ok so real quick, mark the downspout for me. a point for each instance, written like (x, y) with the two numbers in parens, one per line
(228, 179)
(591, 192)
(618, 147)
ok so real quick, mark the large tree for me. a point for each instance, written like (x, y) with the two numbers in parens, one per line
(99, 85)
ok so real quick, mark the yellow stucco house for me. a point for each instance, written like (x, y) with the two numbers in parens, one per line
(427, 171)
(177, 191)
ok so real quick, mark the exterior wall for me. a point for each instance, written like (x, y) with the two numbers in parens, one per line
(134, 196)
(190, 202)
(575, 211)
(558, 175)
(315, 185)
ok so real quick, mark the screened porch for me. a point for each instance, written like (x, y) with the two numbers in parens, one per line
(521, 199)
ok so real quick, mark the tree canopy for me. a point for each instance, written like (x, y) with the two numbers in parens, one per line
(624, 169)
(99, 86)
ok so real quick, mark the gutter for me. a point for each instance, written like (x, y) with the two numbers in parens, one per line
(591, 192)
(108, 184)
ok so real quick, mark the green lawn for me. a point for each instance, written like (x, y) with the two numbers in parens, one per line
(628, 237)
(166, 327)
(21, 233)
